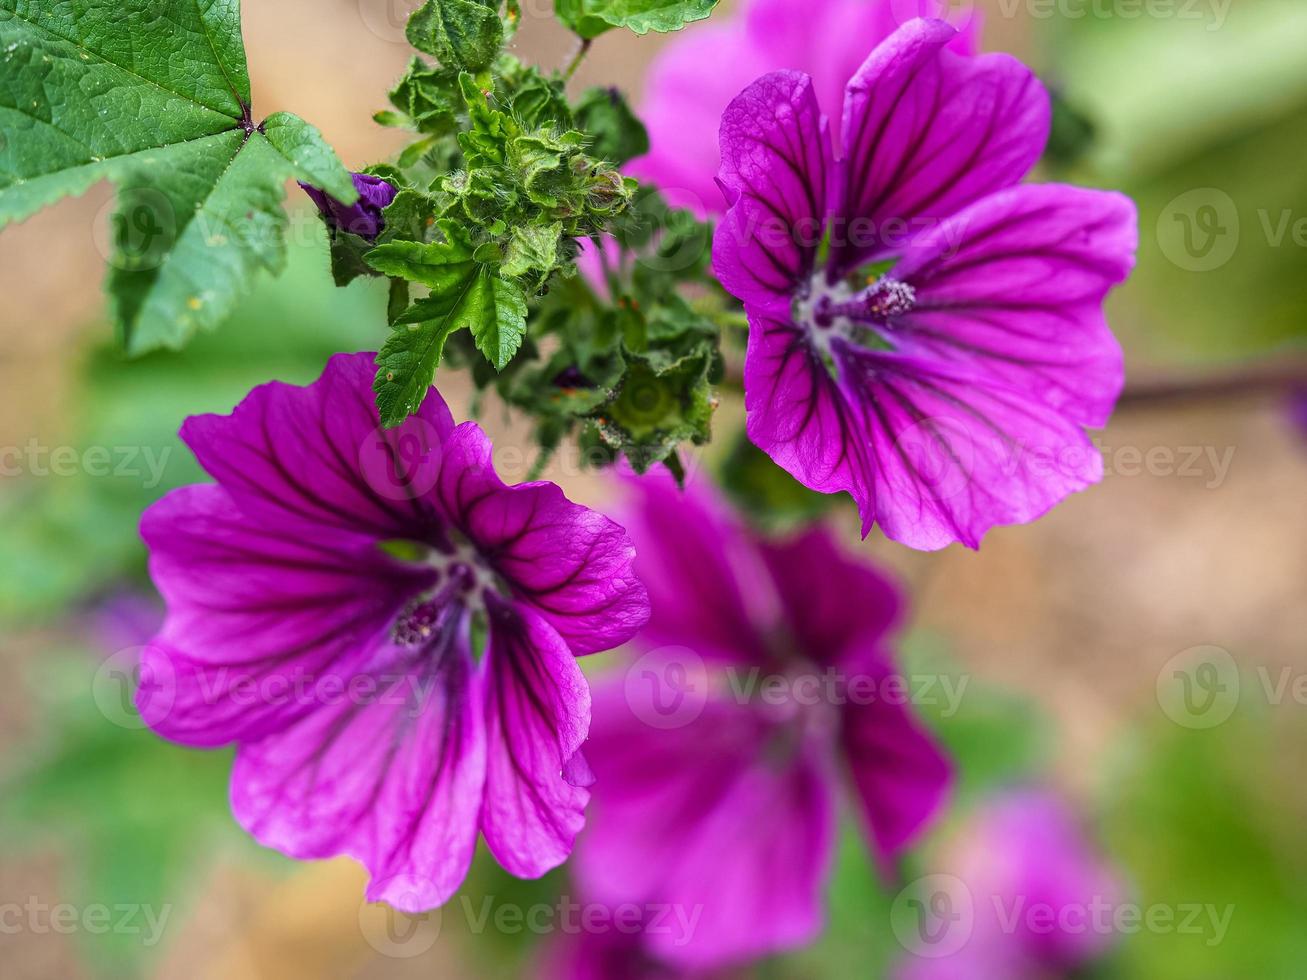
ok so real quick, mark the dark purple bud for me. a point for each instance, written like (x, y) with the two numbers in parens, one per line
(362, 218)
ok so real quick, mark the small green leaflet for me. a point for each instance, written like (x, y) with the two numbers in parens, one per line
(465, 292)
(462, 34)
(590, 18)
(155, 96)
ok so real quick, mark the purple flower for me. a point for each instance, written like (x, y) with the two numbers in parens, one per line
(1030, 897)
(683, 109)
(124, 619)
(1298, 410)
(386, 631)
(925, 334)
(363, 218)
(766, 674)
(610, 949)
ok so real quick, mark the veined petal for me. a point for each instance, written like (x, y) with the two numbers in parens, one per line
(831, 39)
(900, 775)
(831, 601)
(683, 111)
(798, 415)
(699, 567)
(317, 455)
(537, 715)
(927, 132)
(391, 775)
(1013, 286)
(703, 819)
(775, 160)
(955, 452)
(683, 104)
(255, 609)
(571, 564)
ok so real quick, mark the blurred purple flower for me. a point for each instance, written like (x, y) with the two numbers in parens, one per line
(767, 673)
(924, 334)
(1298, 410)
(363, 218)
(320, 600)
(615, 954)
(683, 109)
(123, 620)
(1042, 899)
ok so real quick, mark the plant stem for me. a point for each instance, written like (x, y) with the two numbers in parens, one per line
(579, 57)
(1280, 376)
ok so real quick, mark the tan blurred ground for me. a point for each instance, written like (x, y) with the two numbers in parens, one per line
(1080, 610)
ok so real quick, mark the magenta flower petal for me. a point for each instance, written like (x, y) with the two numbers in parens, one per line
(724, 807)
(699, 568)
(798, 415)
(569, 563)
(253, 608)
(1060, 250)
(537, 716)
(321, 600)
(927, 132)
(684, 110)
(318, 455)
(1021, 852)
(957, 453)
(946, 391)
(900, 774)
(775, 158)
(700, 818)
(683, 106)
(390, 772)
(832, 603)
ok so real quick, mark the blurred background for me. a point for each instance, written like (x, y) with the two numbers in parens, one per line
(1140, 652)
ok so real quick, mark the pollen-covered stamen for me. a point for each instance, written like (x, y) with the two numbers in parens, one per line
(424, 616)
(883, 299)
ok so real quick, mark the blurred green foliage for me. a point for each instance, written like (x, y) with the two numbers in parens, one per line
(1200, 116)
(63, 538)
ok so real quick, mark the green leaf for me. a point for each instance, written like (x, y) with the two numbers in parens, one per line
(498, 311)
(154, 95)
(590, 18)
(465, 292)
(616, 133)
(532, 248)
(429, 97)
(197, 221)
(311, 159)
(87, 85)
(407, 218)
(462, 34)
(660, 406)
(440, 266)
(406, 365)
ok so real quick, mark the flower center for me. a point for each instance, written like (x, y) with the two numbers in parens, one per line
(463, 581)
(831, 311)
